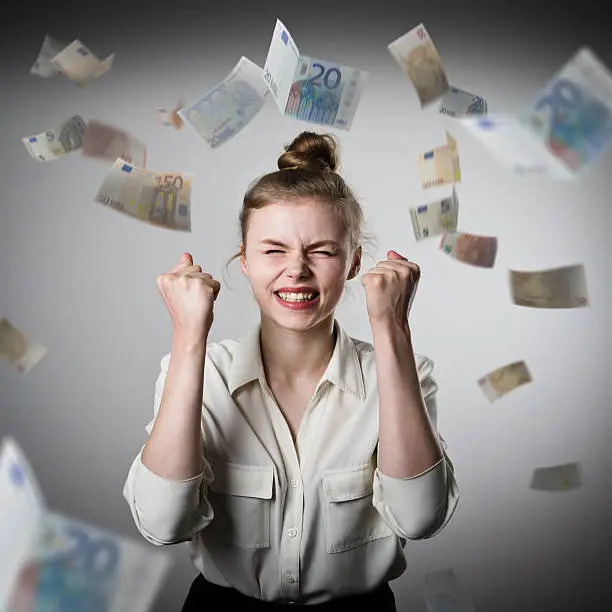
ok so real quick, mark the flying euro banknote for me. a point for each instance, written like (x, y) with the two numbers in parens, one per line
(313, 90)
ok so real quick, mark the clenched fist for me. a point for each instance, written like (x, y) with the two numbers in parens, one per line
(189, 295)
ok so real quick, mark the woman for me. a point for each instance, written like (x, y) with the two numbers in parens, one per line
(296, 461)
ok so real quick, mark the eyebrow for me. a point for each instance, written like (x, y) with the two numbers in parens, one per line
(310, 246)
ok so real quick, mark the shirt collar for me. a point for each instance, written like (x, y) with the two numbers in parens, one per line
(344, 369)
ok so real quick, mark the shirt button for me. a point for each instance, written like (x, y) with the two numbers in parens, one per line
(292, 532)
(290, 579)
(294, 483)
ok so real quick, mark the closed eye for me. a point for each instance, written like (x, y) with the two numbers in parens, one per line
(328, 253)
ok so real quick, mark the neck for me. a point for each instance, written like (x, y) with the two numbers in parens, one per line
(291, 356)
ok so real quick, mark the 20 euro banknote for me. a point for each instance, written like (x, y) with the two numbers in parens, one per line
(572, 115)
(73, 566)
(227, 108)
(309, 89)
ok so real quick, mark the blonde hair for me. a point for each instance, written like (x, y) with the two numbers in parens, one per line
(308, 169)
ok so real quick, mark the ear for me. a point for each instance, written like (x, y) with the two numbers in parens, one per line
(244, 268)
(356, 265)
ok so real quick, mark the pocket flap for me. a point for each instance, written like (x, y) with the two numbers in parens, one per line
(350, 484)
(242, 480)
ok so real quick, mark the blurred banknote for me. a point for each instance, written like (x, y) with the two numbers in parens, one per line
(311, 89)
(418, 58)
(440, 166)
(563, 287)
(80, 65)
(162, 199)
(76, 566)
(17, 349)
(63, 564)
(444, 593)
(508, 141)
(557, 478)
(436, 218)
(170, 117)
(227, 108)
(505, 379)
(108, 142)
(57, 142)
(43, 67)
(470, 248)
(21, 509)
(459, 103)
(572, 116)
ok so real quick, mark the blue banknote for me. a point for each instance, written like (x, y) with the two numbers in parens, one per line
(226, 109)
(72, 568)
(313, 90)
(325, 93)
(572, 115)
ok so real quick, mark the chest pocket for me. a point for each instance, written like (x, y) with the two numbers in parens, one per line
(241, 496)
(351, 519)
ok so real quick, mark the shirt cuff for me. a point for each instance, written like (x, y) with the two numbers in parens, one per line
(411, 505)
(163, 503)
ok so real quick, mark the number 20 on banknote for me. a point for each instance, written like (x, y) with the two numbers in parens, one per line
(311, 89)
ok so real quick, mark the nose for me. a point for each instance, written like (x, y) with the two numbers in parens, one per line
(296, 266)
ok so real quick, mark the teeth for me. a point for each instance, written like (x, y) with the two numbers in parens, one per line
(296, 297)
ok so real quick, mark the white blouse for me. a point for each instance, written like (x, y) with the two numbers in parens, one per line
(300, 523)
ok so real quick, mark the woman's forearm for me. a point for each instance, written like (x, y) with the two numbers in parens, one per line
(174, 448)
(408, 444)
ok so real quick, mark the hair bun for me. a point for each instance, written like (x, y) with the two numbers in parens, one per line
(310, 151)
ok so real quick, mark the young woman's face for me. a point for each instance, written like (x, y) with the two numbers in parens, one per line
(297, 260)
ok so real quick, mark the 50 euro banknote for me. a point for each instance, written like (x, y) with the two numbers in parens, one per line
(429, 220)
(309, 89)
(161, 199)
(17, 349)
(228, 107)
(501, 381)
(418, 58)
(62, 139)
(440, 166)
(80, 65)
(563, 287)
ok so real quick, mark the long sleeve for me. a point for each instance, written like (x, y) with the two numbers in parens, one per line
(167, 511)
(419, 507)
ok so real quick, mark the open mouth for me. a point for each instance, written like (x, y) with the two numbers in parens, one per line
(297, 298)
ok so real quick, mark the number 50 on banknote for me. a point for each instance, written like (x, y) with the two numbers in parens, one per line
(310, 89)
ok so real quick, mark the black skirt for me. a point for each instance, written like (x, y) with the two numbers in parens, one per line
(203, 595)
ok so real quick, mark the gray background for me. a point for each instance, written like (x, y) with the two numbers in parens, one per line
(80, 278)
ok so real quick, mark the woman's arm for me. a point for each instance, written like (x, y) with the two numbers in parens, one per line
(174, 448)
(408, 444)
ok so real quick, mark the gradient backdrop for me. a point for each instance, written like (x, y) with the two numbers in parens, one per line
(80, 278)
